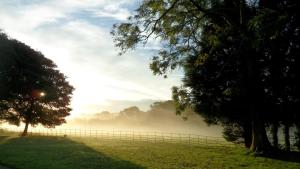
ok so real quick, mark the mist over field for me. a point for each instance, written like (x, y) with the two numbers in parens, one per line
(161, 117)
(149, 84)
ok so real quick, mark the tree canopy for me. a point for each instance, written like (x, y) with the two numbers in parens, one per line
(33, 90)
(238, 56)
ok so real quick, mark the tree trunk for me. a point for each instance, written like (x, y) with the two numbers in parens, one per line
(297, 135)
(286, 133)
(25, 129)
(260, 143)
(274, 132)
(247, 127)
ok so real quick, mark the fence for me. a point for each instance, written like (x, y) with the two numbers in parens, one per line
(142, 136)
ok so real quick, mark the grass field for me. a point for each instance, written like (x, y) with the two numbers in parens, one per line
(37, 152)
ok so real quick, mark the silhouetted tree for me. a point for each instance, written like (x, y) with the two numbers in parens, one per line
(35, 91)
(6, 63)
(274, 132)
(239, 57)
(297, 136)
(286, 133)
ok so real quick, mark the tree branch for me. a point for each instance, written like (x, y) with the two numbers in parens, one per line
(199, 7)
(164, 14)
(207, 12)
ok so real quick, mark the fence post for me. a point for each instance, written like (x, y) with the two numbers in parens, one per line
(113, 135)
(180, 138)
(140, 136)
(147, 137)
(132, 135)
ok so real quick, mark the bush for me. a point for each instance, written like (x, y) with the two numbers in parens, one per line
(233, 132)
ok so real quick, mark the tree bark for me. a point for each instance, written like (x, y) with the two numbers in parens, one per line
(25, 129)
(247, 127)
(260, 142)
(286, 133)
(274, 132)
(297, 134)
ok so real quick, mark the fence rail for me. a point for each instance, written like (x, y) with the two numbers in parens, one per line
(143, 136)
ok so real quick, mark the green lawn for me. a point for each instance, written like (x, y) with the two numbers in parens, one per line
(38, 152)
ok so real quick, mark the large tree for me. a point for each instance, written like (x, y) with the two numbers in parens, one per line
(6, 63)
(238, 57)
(35, 91)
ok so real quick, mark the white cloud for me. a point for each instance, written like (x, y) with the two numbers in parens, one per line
(112, 11)
(84, 50)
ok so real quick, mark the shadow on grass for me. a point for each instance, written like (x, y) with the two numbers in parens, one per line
(282, 155)
(56, 153)
(3, 137)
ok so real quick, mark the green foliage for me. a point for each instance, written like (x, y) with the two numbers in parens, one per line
(239, 57)
(181, 99)
(232, 132)
(169, 21)
(35, 91)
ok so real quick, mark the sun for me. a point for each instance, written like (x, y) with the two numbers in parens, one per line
(42, 94)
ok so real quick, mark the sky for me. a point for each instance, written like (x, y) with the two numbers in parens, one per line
(75, 34)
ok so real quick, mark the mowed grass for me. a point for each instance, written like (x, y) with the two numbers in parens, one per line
(37, 152)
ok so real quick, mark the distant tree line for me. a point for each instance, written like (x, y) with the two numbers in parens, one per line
(32, 89)
(239, 58)
(159, 116)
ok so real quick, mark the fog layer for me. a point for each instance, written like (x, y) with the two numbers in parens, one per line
(161, 117)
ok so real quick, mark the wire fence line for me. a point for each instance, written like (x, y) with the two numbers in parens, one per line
(141, 136)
